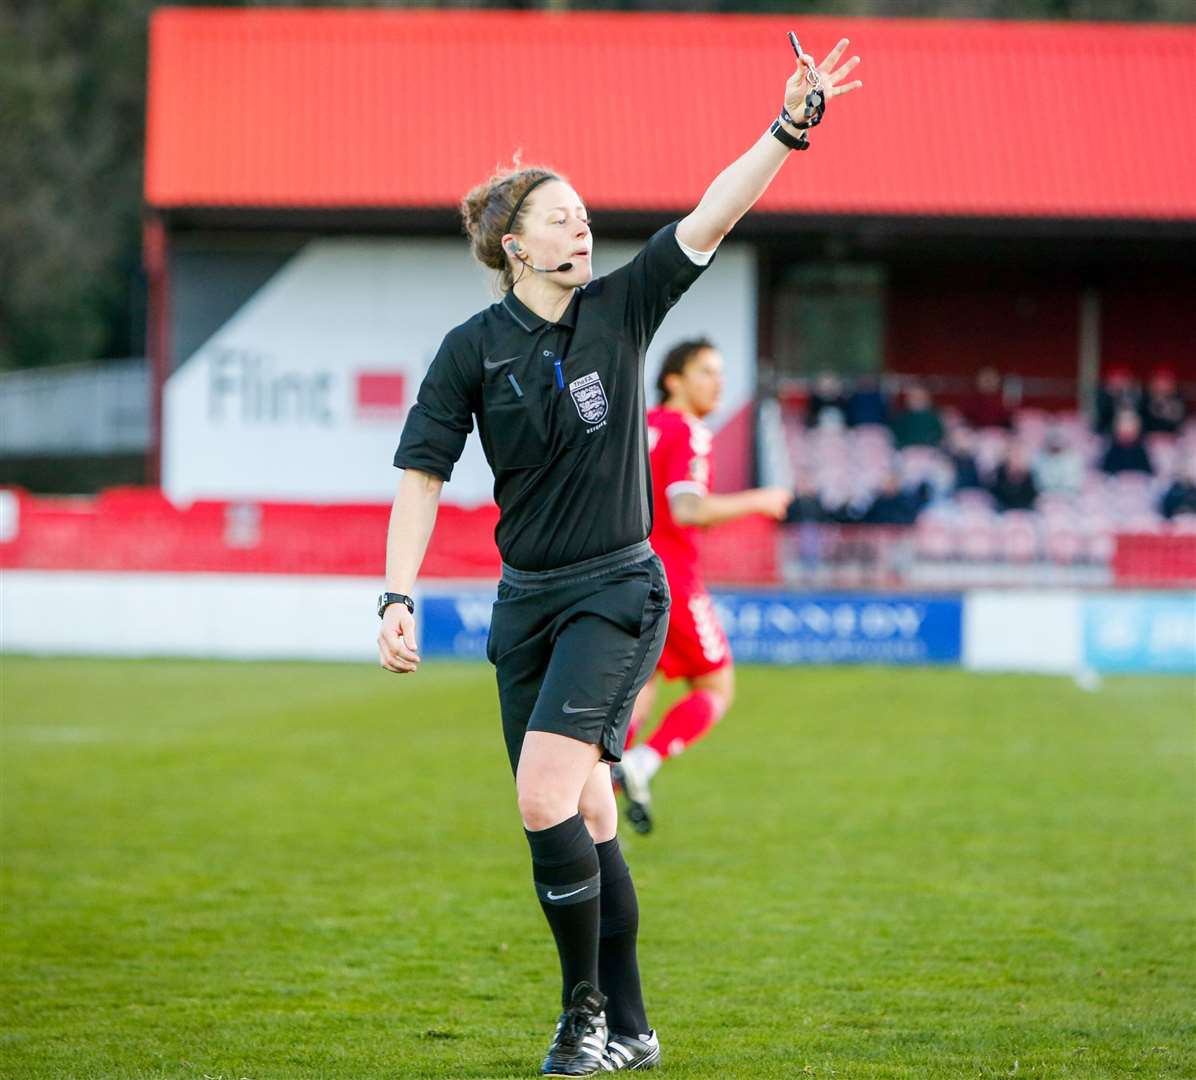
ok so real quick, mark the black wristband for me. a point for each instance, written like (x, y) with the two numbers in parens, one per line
(814, 111)
(783, 137)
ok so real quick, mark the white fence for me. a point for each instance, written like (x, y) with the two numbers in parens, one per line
(254, 616)
(91, 409)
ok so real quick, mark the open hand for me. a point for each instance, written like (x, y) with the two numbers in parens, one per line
(828, 77)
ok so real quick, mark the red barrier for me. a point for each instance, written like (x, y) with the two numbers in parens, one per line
(1153, 559)
(744, 552)
(139, 529)
(136, 529)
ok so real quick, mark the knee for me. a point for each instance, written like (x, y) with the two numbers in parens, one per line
(540, 809)
(601, 816)
(722, 689)
(720, 698)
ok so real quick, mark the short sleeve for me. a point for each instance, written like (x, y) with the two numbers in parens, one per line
(656, 279)
(442, 416)
(684, 461)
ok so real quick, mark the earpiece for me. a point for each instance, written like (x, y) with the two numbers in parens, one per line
(512, 249)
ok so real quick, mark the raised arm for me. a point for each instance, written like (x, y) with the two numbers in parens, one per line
(736, 189)
(411, 519)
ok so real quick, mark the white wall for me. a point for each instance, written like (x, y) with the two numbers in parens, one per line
(253, 616)
(1020, 630)
(237, 616)
(268, 408)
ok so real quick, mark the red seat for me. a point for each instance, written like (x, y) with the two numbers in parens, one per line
(978, 540)
(1019, 536)
(1063, 544)
(934, 539)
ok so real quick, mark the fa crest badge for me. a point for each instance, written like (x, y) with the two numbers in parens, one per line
(589, 397)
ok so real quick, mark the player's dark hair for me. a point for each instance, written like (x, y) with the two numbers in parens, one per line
(486, 210)
(677, 360)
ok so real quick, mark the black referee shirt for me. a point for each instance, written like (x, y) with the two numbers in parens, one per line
(560, 410)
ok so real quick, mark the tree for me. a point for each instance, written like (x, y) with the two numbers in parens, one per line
(72, 77)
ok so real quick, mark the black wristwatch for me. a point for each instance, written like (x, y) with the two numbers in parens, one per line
(388, 598)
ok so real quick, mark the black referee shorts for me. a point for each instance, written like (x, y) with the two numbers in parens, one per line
(573, 647)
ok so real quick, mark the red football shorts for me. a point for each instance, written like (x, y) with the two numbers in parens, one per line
(696, 644)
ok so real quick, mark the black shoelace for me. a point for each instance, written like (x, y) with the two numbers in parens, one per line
(574, 1028)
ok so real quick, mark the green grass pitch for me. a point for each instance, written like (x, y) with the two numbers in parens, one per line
(281, 871)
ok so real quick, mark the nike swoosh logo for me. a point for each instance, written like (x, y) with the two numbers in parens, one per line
(562, 896)
(490, 365)
(567, 708)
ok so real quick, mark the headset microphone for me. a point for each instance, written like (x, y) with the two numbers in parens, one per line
(513, 250)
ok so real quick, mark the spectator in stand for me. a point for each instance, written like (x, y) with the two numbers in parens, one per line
(1127, 452)
(866, 404)
(1180, 497)
(828, 404)
(986, 407)
(838, 506)
(1117, 393)
(895, 506)
(1163, 409)
(806, 507)
(1013, 486)
(918, 424)
(961, 452)
(1058, 469)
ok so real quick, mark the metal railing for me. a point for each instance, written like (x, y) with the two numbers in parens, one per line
(84, 409)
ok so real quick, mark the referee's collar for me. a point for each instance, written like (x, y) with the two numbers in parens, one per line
(531, 322)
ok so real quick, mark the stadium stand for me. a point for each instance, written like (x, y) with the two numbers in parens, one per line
(1046, 499)
(867, 513)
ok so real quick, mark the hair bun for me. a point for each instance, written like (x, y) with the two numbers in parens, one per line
(486, 208)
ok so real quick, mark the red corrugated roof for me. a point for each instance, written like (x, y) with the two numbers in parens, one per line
(310, 108)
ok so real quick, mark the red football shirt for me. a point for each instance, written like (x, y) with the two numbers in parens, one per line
(680, 449)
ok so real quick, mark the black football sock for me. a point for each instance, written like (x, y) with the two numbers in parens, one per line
(565, 870)
(618, 968)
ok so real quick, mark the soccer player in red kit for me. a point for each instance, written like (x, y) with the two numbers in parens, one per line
(696, 649)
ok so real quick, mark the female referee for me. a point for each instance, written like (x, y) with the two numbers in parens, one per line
(553, 375)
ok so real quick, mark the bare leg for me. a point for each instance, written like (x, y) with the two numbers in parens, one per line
(720, 683)
(597, 806)
(641, 710)
(552, 771)
(709, 697)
